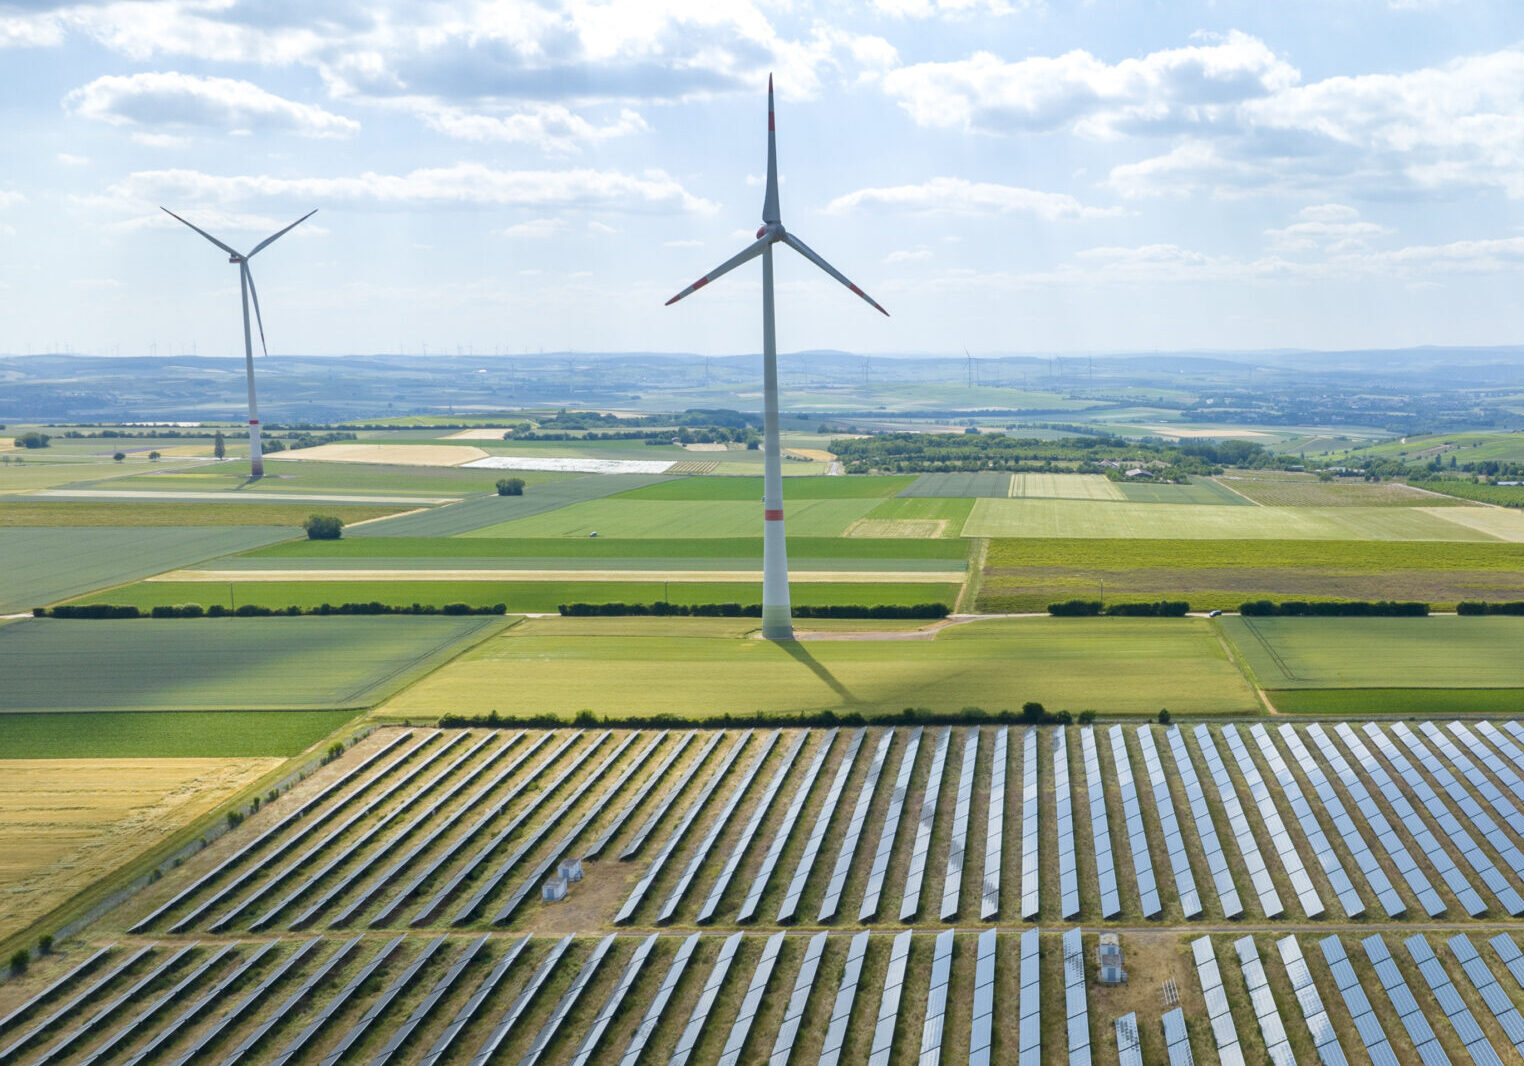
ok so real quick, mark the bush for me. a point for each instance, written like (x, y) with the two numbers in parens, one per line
(1475, 607)
(45, 944)
(510, 486)
(19, 960)
(118, 456)
(32, 439)
(1032, 711)
(335, 750)
(1164, 716)
(754, 610)
(1075, 608)
(323, 527)
(235, 819)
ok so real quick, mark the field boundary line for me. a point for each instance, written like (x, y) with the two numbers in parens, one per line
(1252, 502)
(973, 582)
(1275, 656)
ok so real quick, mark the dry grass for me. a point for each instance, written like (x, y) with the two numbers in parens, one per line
(898, 528)
(396, 454)
(1289, 490)
(66, 822)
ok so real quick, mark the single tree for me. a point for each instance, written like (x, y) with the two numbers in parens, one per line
(119, 456)
(219, 445)
(1164, 716)
(32, 439)
(510, 486)
(323, 527)
(153, 457)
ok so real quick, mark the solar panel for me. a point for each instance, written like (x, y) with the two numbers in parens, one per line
(275, 828)
(329, 1009)
(658, 1005)
(793, 1014)
(1029, 1010)
(1177, 1042)
(53, 988)
(1460, 1017)
(287, 1006)
(994, 827)
(1063, 802)
(670, 796)
(910, 902)
(1425, 1043)
(520, 1003)
(716, 827)
(952, 883)
(242, 1007)
(1343, 824)
(1224, 1029)
(806, 864)
(1489, 758)
(759, 812)
(1505, 808)
(982, 1026)
(1137, 836)
(1503, 743)
(670, 845)
(735, 1043)
(1030, 851)
(841, 1009)
(616, 998)
(1206, 829)
(785, 830)
(1265, 1011)
(638, 797)
(1238, 824)
(473, 1004)
(832, 898)
(936, 1000)
(426, 1006)
(1100, 827)
(567, 1001)
(1174, 840)
(1377, 1046)
(705, 1005)
(116, 1003)
(892, 817)
(1129, 1051)
(889, 1005)
(126, 1031)
(1446, 866)
(1324, 1039)
(1491, 992)
(399, 985)
(1078, 1014)
(196, 1008)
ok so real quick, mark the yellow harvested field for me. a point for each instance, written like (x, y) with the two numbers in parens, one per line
(1500, 522)
(1193, 434)
(715, 447)
(898, 528)
(66, 823)
(1065, 487)
(394, 454)
(819, 455)
(475, 434)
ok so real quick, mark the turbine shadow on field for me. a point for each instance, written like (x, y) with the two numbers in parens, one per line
(816, 667)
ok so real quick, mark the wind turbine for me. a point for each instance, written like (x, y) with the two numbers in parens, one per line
(246, 280)
(777, 623)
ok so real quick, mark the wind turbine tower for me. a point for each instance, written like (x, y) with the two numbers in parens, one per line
(246, 282)
(777, 622)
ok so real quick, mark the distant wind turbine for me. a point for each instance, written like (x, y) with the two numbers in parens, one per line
(246, 279)
(777, 623)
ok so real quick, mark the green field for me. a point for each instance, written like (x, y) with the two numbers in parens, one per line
(1466, 447)
(624, 517)
(36, 512)
(1079, 518)
(220, 664)
(42, 566)
(1406, 702)
(695, 667)
(586, 549)
(484, 512)
(1065, 487)
(1501, 495)
(165, 734)
(1442, 652)
(952, 513)
(1200, 490)
(53, 472)
(750, 488)
(988, 483)
(1304, 490)
(317, 477)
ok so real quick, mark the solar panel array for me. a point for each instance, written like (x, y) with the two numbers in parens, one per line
(751, 1002)
(793, 1014)
(841, 1008)
(1076, 1012)
(1129, 1050)
(1030, 872)
(1371, 811)
(426, 1006)
(1260, 998)
(785, 830)
(243, 1006)
(1206, 829)
(910, 902)
(1029, 1025)
(1462, 797)
(874, 889)
(1324, 1039)
(1311, 828)
(889, 1004)
(1238, 824)
(125, 1030)
(952, 883)
(759, 812)
(1425, 1043)
(615, 1000)
(1500, 803)
(1177, 1042)
(400, 984)
(1377, 1046)
(638, 797)
(1100, 827)
(1174, 842)
(520, 1003)
(658, 1005)
(832, 898)
(1501, 741)
(1461, 1019)
(1063, 802)
(994, 827)
(981, 1032)
(295, 1049)
(1137, 838)
(1490, 759)
(670, 793)
(817, 835)
(196, 1008)
(290, 1003)
(472, 1005)
(936, 1000)
(1343, 824)
(1224, 1031)
(1491, 992)
(705, 1005)
(567, 1001)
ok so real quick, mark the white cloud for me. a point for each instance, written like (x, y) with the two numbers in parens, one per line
(594, 226)
(550, 127)
(915, 255)
(921, 9)
(70, 160)
(10, 198)
(682, 244)
(160, 140)
(535, 228)
(170, 100)
(1329, 227)
(956, 196)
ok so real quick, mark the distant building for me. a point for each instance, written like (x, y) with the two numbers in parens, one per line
(554, 890)
(1138, 471)
(570, 870)
(1108, 956)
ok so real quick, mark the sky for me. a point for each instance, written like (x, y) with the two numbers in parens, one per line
(1002, 175)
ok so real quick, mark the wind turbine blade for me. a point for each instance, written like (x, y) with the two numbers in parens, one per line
(199, 230)
(770, 212)
(275, 237)
(803, 249)
(249, 277)
(752, 251)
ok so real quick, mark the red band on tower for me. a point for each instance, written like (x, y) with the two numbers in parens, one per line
(770, 515)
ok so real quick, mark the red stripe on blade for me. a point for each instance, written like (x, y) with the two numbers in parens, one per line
(700, 283)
